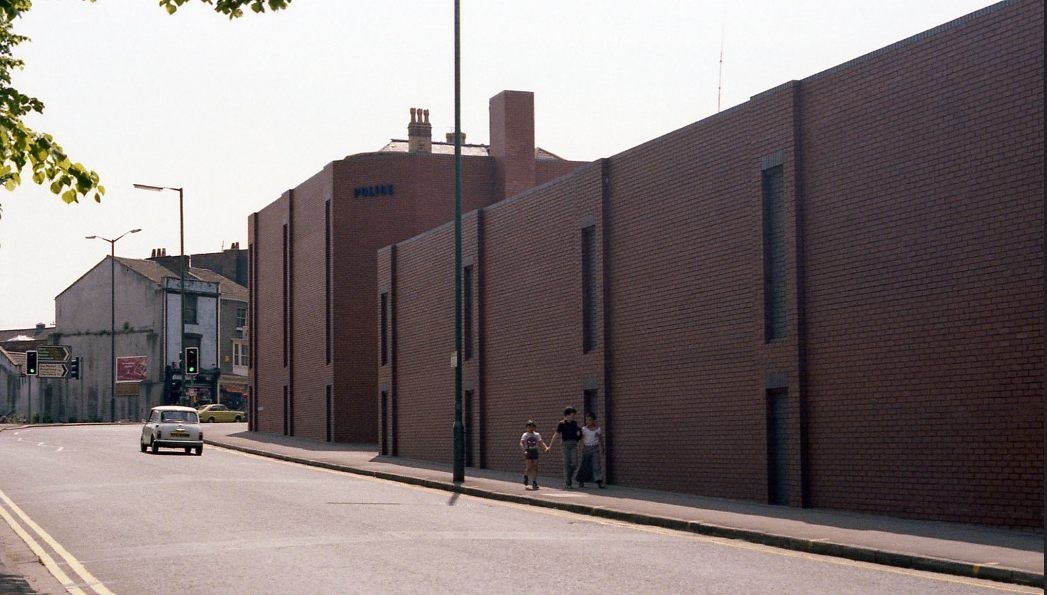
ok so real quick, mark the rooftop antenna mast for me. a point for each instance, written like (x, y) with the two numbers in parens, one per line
(719, 82)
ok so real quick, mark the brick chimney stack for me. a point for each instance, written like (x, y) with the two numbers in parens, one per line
(419, 132)
(512, 141)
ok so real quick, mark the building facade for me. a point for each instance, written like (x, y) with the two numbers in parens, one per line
(224, 269)
(146, 339)
(828, 296)
(313, 263)
(20, 396)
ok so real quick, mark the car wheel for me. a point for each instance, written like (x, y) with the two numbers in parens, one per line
(210, 420)
(237, 419)
(154, 445)
(142, 445)
(199, 450)
(188, 449)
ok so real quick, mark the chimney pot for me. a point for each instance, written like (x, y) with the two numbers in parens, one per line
(419, 132)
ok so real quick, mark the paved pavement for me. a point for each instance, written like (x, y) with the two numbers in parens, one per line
(1006, 556)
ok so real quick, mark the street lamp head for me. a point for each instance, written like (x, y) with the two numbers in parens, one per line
(148, 187)
(135, 230)
(90, 237)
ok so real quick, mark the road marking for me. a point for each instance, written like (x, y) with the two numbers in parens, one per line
(73, 563)
(49, 562)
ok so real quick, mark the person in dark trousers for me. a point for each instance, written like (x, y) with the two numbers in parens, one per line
(592, 448)
(529, 443)
(570, 433)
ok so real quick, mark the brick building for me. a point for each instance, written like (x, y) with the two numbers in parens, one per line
(829, 296)
(313, 263)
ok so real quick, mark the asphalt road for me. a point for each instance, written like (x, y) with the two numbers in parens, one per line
(117, 521)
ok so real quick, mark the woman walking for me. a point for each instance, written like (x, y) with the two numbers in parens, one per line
(592, 449)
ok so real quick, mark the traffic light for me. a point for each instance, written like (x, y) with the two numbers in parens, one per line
(30, 363)
(192, 360)
(74, 367)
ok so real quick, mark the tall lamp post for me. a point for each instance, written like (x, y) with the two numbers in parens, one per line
(112, 318)
(459, 428)
(181, 276)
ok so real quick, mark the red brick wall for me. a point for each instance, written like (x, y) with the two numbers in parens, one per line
(533, 360)
(924, 176)
(309, 368)
(689, 360)
(267, 370)
(422, 198)
(913, 354)
(512, 141)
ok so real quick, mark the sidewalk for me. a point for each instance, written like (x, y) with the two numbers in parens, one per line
(963, 550)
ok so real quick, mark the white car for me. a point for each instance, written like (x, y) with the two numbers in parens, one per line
(171, 426)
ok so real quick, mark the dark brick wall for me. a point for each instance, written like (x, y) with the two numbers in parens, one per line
(421, 198)
(924, 176)
(268, 374)
(912, 361)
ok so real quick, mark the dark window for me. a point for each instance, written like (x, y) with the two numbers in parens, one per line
(774, 286)
(253, 298)
(190, 309)
(384, 439)
(330, 414)
(286, 411)
(286, 313)
(327, 278)
(589, 402)
(384, 331)
(588, 288)
(241, 317)
(470, 431)
(778, 476)
(467, 312)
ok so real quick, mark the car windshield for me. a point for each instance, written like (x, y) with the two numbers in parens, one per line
(178, 417)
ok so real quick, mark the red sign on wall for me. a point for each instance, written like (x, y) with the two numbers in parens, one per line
(130, 368)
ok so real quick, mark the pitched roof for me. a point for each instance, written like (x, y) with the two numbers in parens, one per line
(26, 334)
(156, 272)
(227, 288)
(147, 268)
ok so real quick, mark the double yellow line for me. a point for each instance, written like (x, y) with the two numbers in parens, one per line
(87, 580)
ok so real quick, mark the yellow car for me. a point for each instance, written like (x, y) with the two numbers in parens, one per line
(216, 412)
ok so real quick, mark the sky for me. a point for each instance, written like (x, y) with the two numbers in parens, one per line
(237, 112)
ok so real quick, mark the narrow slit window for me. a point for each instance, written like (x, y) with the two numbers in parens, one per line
(384, 330)
(467, 312)
(588, 288)
(774, 285)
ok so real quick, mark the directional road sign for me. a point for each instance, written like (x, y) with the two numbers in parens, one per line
(53, 354)
(52, 360)
(53, 371)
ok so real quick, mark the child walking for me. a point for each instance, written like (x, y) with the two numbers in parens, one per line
(529, 444)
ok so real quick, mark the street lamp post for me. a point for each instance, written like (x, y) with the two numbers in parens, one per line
(459, 428)
(181, 277)
(112, 318)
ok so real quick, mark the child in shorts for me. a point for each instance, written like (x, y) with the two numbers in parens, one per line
(529, 443)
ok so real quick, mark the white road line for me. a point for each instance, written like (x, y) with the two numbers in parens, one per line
(46, 558)
(73, 563)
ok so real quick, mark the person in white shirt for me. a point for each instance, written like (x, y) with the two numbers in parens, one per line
(529, 443)
(592, 450)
